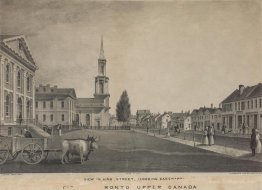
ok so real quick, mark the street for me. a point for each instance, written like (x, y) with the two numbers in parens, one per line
(128, 151)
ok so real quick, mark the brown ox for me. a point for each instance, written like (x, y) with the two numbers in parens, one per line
(81, 147)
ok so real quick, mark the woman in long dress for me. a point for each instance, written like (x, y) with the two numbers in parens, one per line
(204, 138)
(210, 135)
(258, 148)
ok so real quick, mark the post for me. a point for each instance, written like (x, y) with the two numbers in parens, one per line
(194, 138)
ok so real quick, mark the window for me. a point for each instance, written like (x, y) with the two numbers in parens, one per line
(260, 103)
(44, 89)
(255, 103)
(44, 104)
(242, 105)
(18, 79)
(36, 104)
(62, 104)
(7, 105)
(248, 104)
(251, 104)
(28, 83)
(44, 117)
(51, 104)
(239, 106)
(51, 117)
(63, 117)
(36, 116)
(7, 71)
(9, 131)
(235, 106)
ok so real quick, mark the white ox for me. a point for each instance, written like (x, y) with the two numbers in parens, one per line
(81, 147)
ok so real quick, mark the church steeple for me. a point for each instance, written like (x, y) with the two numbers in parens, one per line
(101, 82)
(102, 55)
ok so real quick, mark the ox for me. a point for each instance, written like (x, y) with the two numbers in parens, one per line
(81, 147)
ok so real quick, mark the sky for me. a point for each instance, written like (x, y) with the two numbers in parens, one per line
(169, 56)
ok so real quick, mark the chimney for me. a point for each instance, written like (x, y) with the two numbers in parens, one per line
(241, 89)
(211, 105)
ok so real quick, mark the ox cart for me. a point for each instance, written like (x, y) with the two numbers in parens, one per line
(32, 150)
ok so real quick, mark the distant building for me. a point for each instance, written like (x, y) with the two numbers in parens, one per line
(243, 107)
(177, 119)
(204, 117)
(132, 120)
(17, 80)
(140, 114)
(55, 105)
(163, 121)
(95, 111)
(188, 123)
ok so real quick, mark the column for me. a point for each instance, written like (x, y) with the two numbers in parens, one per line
(33, 97)
(1, 90)
(24, 103)
(14, 93)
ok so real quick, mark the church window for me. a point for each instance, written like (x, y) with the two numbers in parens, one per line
(101, 87)
(63, 117)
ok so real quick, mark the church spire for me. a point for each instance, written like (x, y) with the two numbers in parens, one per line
(101, 55)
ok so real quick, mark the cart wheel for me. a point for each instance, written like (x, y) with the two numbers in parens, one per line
(32, 153)
(13, 156)
(4, 152)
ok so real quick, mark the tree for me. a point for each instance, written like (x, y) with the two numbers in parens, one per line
(123, 108)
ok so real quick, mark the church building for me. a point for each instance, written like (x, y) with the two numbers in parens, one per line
(94, 112)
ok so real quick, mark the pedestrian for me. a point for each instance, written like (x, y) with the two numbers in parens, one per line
(27, 134)
(258, 147)
(223, 129)
(253, 143)
(205, 138)
(210, 133)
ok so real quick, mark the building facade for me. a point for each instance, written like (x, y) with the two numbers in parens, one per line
(95, 111)
(243, 107)
(55, 105)
(188, 123)
(17, 81)
(139, 115)
(204, 117)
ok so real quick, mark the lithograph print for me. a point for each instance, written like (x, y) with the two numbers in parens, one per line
(130, 94)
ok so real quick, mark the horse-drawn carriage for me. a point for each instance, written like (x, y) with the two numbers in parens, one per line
(32, 150)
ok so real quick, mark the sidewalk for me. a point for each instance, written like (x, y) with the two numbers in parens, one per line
(227, 151)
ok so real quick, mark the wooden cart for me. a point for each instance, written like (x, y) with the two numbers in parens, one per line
(32, 150)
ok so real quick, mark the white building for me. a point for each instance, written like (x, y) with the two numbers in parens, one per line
(94, 112)
(188, 123)
(55, 105)
(17, 81)
(243, 106)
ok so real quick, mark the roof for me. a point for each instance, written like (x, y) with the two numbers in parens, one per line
(248, 92)
(143, 111)
(89, 102)
(29, 61)
(60, 93)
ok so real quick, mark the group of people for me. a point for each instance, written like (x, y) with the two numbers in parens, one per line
(208, 136)
(255, 143)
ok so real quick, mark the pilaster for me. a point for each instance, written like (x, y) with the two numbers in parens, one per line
(24, 107)
(33, 97)
(1, 90)
(14, 92)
